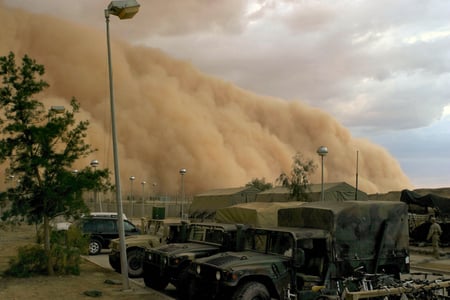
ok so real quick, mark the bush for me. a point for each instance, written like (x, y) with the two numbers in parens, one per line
(65, 254)
(31, 259)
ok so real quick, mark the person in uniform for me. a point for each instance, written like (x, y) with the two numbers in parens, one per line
(434, 234)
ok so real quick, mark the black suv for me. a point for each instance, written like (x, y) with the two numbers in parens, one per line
(102, 229)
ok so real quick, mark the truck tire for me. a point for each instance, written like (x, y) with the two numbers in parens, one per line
(114, 264)
(95, 247)
(251, 291)
(155, 281)
(135, 259)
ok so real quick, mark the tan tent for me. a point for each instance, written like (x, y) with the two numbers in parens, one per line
(255, 213)
(204, 205)
(335, 191)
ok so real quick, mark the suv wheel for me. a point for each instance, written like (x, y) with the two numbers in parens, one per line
(94, 247)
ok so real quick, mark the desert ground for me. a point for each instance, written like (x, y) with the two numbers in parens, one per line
(92, 277)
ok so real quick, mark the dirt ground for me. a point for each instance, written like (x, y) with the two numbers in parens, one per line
(92, 277)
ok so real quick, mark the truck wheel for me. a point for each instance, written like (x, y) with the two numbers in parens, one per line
(114, 264)
(135, 260)
(94, 247)
(183, 282)
(251, 291)
(155, 281)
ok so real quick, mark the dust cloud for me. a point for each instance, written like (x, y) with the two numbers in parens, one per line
(171, 116)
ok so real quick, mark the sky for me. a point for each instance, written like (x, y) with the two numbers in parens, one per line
(379, 68)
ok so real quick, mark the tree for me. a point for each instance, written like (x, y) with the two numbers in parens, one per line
(40, 146)
(260, 184)
(298, 180)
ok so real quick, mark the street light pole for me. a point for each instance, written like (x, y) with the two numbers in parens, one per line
(94, 164)
(182, 172)
(322, 151)
(356, 191)
(132, 178)
(143, 198)
(124, 10)
(154, 192)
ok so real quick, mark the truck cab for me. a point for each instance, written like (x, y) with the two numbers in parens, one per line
(169, 263)
(157, 232)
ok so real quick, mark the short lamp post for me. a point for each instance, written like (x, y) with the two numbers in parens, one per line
(154, 192)
(322, 151)
(94, 164)
(132, 178)
(125, 9)
(143, 197)
(182, 172)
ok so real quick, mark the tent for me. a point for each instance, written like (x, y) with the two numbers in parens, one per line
(334, 191)
(255, 213)
(204, 205)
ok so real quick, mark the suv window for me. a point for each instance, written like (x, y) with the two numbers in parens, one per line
(106, 226)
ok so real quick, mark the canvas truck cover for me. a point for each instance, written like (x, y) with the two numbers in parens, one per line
(441, 204)
(357, 227)
(260, 214)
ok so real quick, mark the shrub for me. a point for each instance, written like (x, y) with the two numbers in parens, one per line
(31, 259)
(66, 250)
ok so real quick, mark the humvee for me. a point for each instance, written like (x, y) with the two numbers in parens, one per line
(307, 257)
(157, 232)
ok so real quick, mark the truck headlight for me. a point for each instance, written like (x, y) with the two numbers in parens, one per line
(218, 275)
(198, 269)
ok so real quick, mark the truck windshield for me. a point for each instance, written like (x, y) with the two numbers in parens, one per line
(209, 234)
(272, 242)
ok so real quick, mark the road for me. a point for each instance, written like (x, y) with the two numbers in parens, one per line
(102, 260)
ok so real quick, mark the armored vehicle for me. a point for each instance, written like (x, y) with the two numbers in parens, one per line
(169, 263)
(157, 232)
(317, 245)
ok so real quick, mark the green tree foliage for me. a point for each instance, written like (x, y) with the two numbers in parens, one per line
(40, 145)
(298, 180)
(260, 184)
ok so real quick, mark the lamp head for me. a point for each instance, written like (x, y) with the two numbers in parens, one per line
(124, 9)
(322, 151)
(183, 171)
(94, 163)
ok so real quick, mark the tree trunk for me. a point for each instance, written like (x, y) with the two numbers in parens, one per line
(47, 246)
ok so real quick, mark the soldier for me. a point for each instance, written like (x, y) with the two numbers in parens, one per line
(434, 234)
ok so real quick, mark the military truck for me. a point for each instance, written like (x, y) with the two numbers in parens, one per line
(316, 247)
(157, 232)
(168, 264)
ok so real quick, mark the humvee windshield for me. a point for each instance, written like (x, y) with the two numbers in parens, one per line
(271, 242)
(209, 234)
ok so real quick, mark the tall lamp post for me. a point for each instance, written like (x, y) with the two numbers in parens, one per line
(94, 164)
(132, 178)
(124, 10)
(182, 172)
(143, 197)
(356, 191)
(322, 151)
